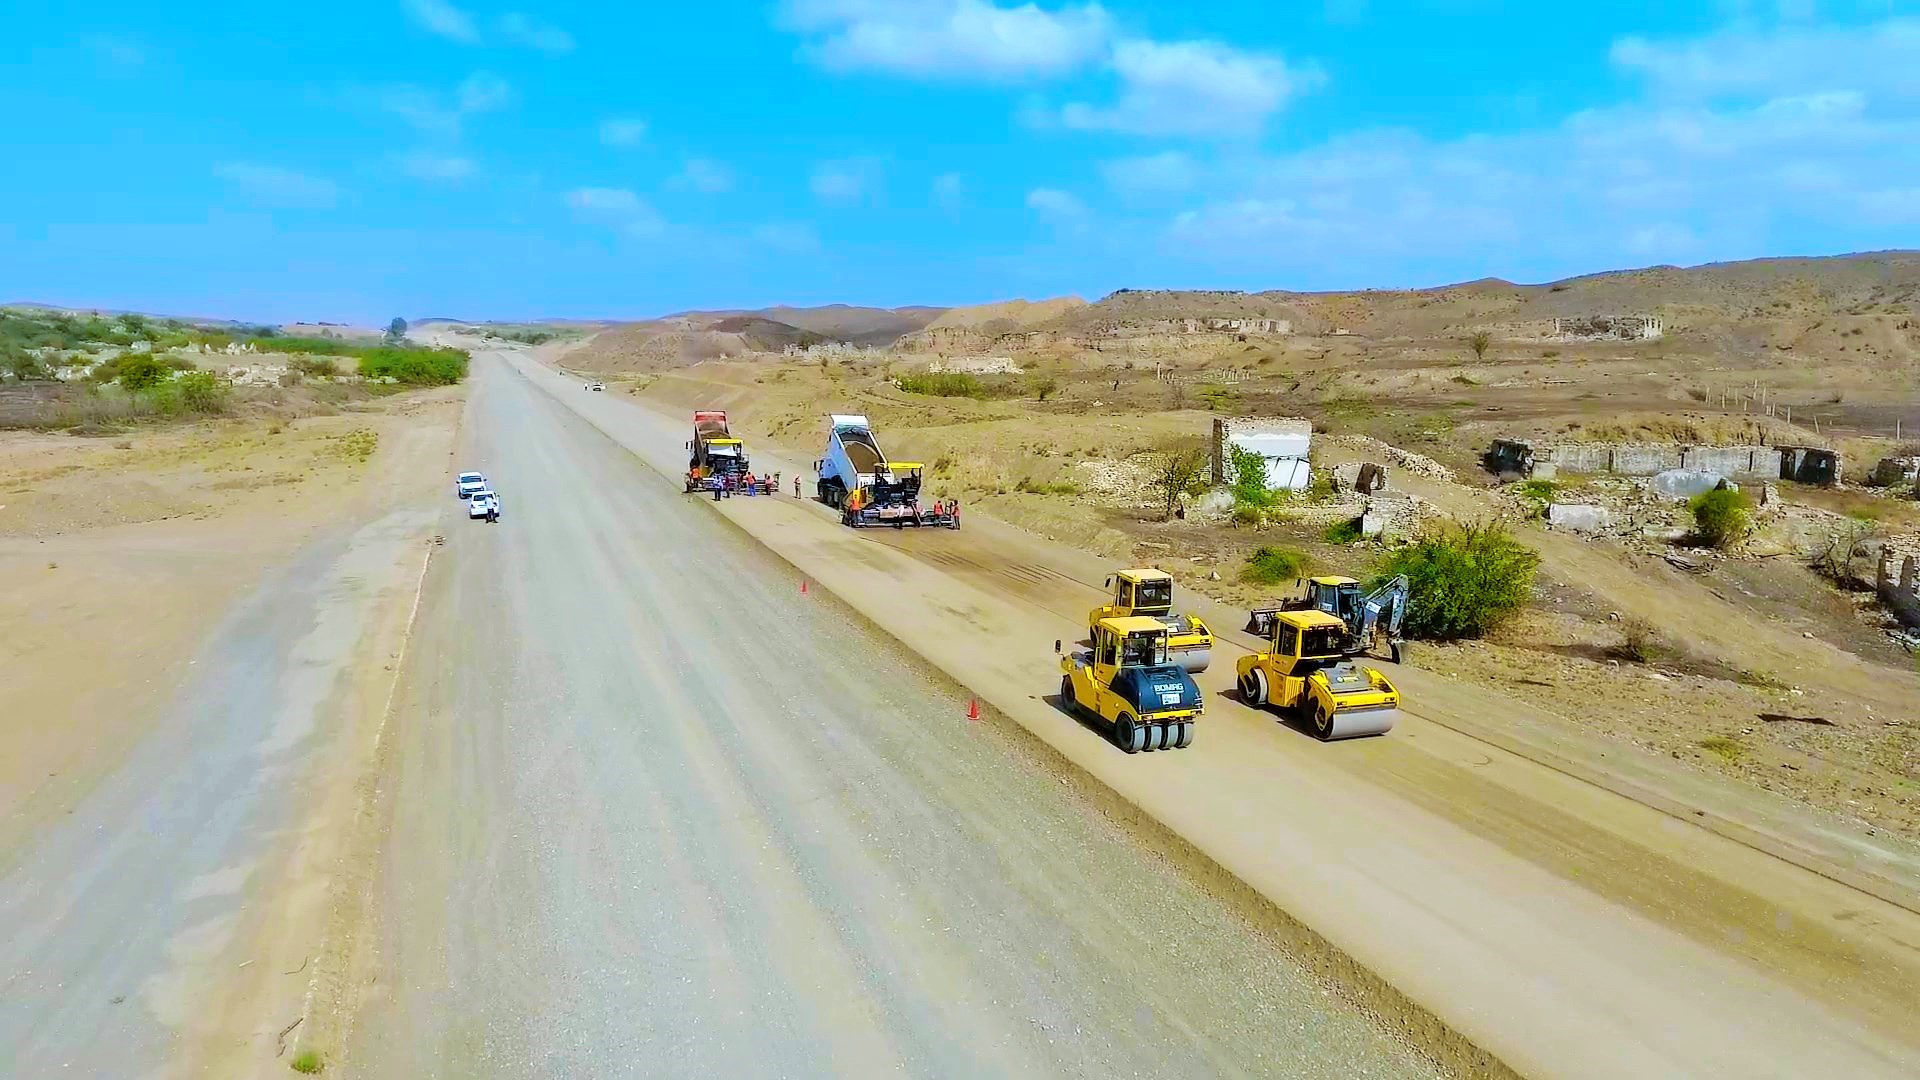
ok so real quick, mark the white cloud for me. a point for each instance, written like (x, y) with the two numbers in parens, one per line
(1167, 173)
(966, 39)
(483, 91)
(1055, 205)
(1877, 58)
(442, 19)
(1191, 88)
(523, 29)
(427, 165)
(704, 175)
(269, 185)
(622, 131)
(618, 208)
(846, 181)
(949, 189)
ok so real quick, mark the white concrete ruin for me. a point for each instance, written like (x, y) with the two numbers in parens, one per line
(1285, 445)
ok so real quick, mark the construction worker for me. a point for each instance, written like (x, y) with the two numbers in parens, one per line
(775, 489)
(796, 487)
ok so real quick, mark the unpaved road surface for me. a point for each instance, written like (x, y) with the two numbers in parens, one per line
(654, 811)
(122, 917)
(1566, 926)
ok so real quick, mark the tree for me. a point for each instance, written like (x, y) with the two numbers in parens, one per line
(1464, 580)
(1721, 518)
(1480, 341)
(1177, 472)
(396, 330)
(1249, 482)
(1044, 386)
(140, 371)
(203, 392)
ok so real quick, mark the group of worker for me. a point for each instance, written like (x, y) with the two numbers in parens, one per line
(727, 485)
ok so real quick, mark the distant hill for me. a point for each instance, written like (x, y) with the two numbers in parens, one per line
(833, 322)
(1008, 315)
(1790, 297)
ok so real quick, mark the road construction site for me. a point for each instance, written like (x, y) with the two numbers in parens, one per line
(1507, 901)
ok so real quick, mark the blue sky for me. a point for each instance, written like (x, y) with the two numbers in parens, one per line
(476, 159)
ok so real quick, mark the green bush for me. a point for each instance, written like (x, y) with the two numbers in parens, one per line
(1465, 581)
(1721, 518)
(1537, 494)
(323, 346)
(1275, 566)
(415, 367)
(1251, 495)
(314, 366)
(947, 384)
(1343, 532)
(203, 392)
(140, 371)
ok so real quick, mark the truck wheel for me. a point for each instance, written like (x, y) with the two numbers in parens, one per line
(1253, 688)
(1129, 735)
(1186, 735)
(1067, 700)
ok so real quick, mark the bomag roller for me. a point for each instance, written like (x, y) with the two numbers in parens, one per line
(1128, 682)
(1305, 672)
(1149, 593)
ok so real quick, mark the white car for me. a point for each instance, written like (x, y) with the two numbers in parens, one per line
(481, 502)
(467, 483)
(596, 386)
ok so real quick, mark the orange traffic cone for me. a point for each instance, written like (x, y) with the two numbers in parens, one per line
(973, 708)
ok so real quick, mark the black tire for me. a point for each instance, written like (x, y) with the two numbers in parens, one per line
(1253, 689)
(1128, 735)
(1186, 735)
(1067, 701)
(1322, 721)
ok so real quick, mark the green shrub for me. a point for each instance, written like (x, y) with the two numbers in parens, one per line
(1343, 532)
(1537, 494)
(140, 371)
(1721, 518)
(1249, 487)
(323, 346)
(203, 392)
(314, 366)
(1275, 566)
(307, 1062)
(946, 384)
(1465, 580)
(415, 367)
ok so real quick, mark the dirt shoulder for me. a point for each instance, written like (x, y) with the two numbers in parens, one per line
(126, 557)
(1559, 926)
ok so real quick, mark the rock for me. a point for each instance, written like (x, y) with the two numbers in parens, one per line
(1545, 470)
(1685, 483)
(1213, 575)
(1372, 525)
(1579, 517)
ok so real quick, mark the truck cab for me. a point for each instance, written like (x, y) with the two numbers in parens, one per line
(1305, 671)
(1128, 681)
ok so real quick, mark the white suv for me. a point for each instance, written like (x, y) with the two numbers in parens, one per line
(467, 483)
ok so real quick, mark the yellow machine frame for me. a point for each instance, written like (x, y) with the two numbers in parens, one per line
(1304, 671)
(1086, 685)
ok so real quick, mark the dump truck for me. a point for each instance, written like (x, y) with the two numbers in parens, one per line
(1372, 619)
(713, 451)
(856, 479)
(1148, 592)
(1304, 671)
(1128, 683)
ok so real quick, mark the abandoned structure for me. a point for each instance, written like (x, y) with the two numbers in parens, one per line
(1609, 328)
(1805, 464)
(1901, 591)
(1283, 443)
(1893, 471)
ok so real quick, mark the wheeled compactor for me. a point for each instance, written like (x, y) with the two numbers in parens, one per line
(1128, 683)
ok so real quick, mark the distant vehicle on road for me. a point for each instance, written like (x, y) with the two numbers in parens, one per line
(596, 386)
(483, 504)
(467, 483)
